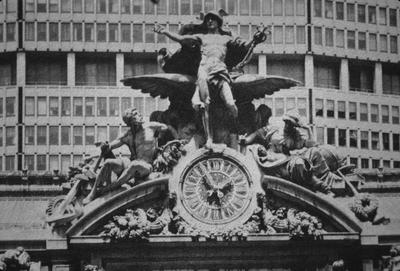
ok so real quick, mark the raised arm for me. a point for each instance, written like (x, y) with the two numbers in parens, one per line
(159, 29)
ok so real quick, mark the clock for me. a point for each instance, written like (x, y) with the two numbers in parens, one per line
(216, 191)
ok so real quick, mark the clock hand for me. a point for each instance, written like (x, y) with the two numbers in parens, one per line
(227, 187)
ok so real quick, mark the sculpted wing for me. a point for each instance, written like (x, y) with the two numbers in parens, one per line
(172, 85)
(247, 87)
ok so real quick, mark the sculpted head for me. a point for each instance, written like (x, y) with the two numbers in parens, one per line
(132, 117)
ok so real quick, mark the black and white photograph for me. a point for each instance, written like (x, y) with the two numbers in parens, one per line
(199, 135)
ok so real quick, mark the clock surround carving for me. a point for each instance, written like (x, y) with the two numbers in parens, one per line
(216, 189)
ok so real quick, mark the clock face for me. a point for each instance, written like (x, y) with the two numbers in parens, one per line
(216, 190)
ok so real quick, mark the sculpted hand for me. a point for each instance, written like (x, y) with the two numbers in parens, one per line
(159, 29)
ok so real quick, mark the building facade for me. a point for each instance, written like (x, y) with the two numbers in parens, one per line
(61, 63)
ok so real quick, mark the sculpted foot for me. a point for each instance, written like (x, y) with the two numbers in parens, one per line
(209, 143)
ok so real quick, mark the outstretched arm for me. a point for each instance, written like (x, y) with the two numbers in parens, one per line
(159, 29)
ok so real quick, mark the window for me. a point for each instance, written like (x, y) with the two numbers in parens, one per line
(385, 113)
(78, 106)
(162, 7)
(185, 7)
(326, 74)
(361, 76)
(300, 8)
(1, 32)
(89, 6)
(197, 6)
(339, 11)
(113, 6)
(351, 16)
(1, 107)
(353, 138)
(138, 5)
(65, 163)
(386, 163)
(29, 162)
(318, 8)
(173, 7)
(392, 17)
(302, 106)
(331, 136)
(363, 112)
(342, 137)
(330, 108)
(65, 32)
(77, 6)
(125, 6)
(391, 79)
(265, 6)
(374, 113)
(89, 106)
(114, 106)
(89, 135)
(341, 109)
(382, 16)
(383, 43)
(126, 33)
(340, 38)
(53, 5)
(354, 161)
(244, 8)
(65, 106)
(317, 35)
(53, 135)
(362, 43)
(279, 107)
(101, 32)
(101, 6)
(29, 135)
(102, 133)
(256, 8)
(29, 6)
(53, 106)
(149, 34)
(372, 42)
(53, 31)
(329, 37)
(95, 70)
(10, 31)
(125, 104)
(10, 162)
(41, 135)
(137, 33)
(375, 163)
(101, 106)
(395, 115)
(351, 39)
(53, 164)
(114, 131)
(361, 13)
(113, 32)
(320, 135)
(300, 35)
(46, 68)
(375, 141)
(65, 135)
(329, 9)
(396, 142)
(89, 32)
(138, 103)
(77, 31)
(393, 44)
(385, 141)
(29, 106)
(364, 163)
(10, 106)
(371, 15)
(278, 34)
(396, 164)
(41, 32)
(319, 107)
(289, 34)
(66, 6)
(29, 31)
(41, 162)
(42, 106)
(78, 134)
(364, 139)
